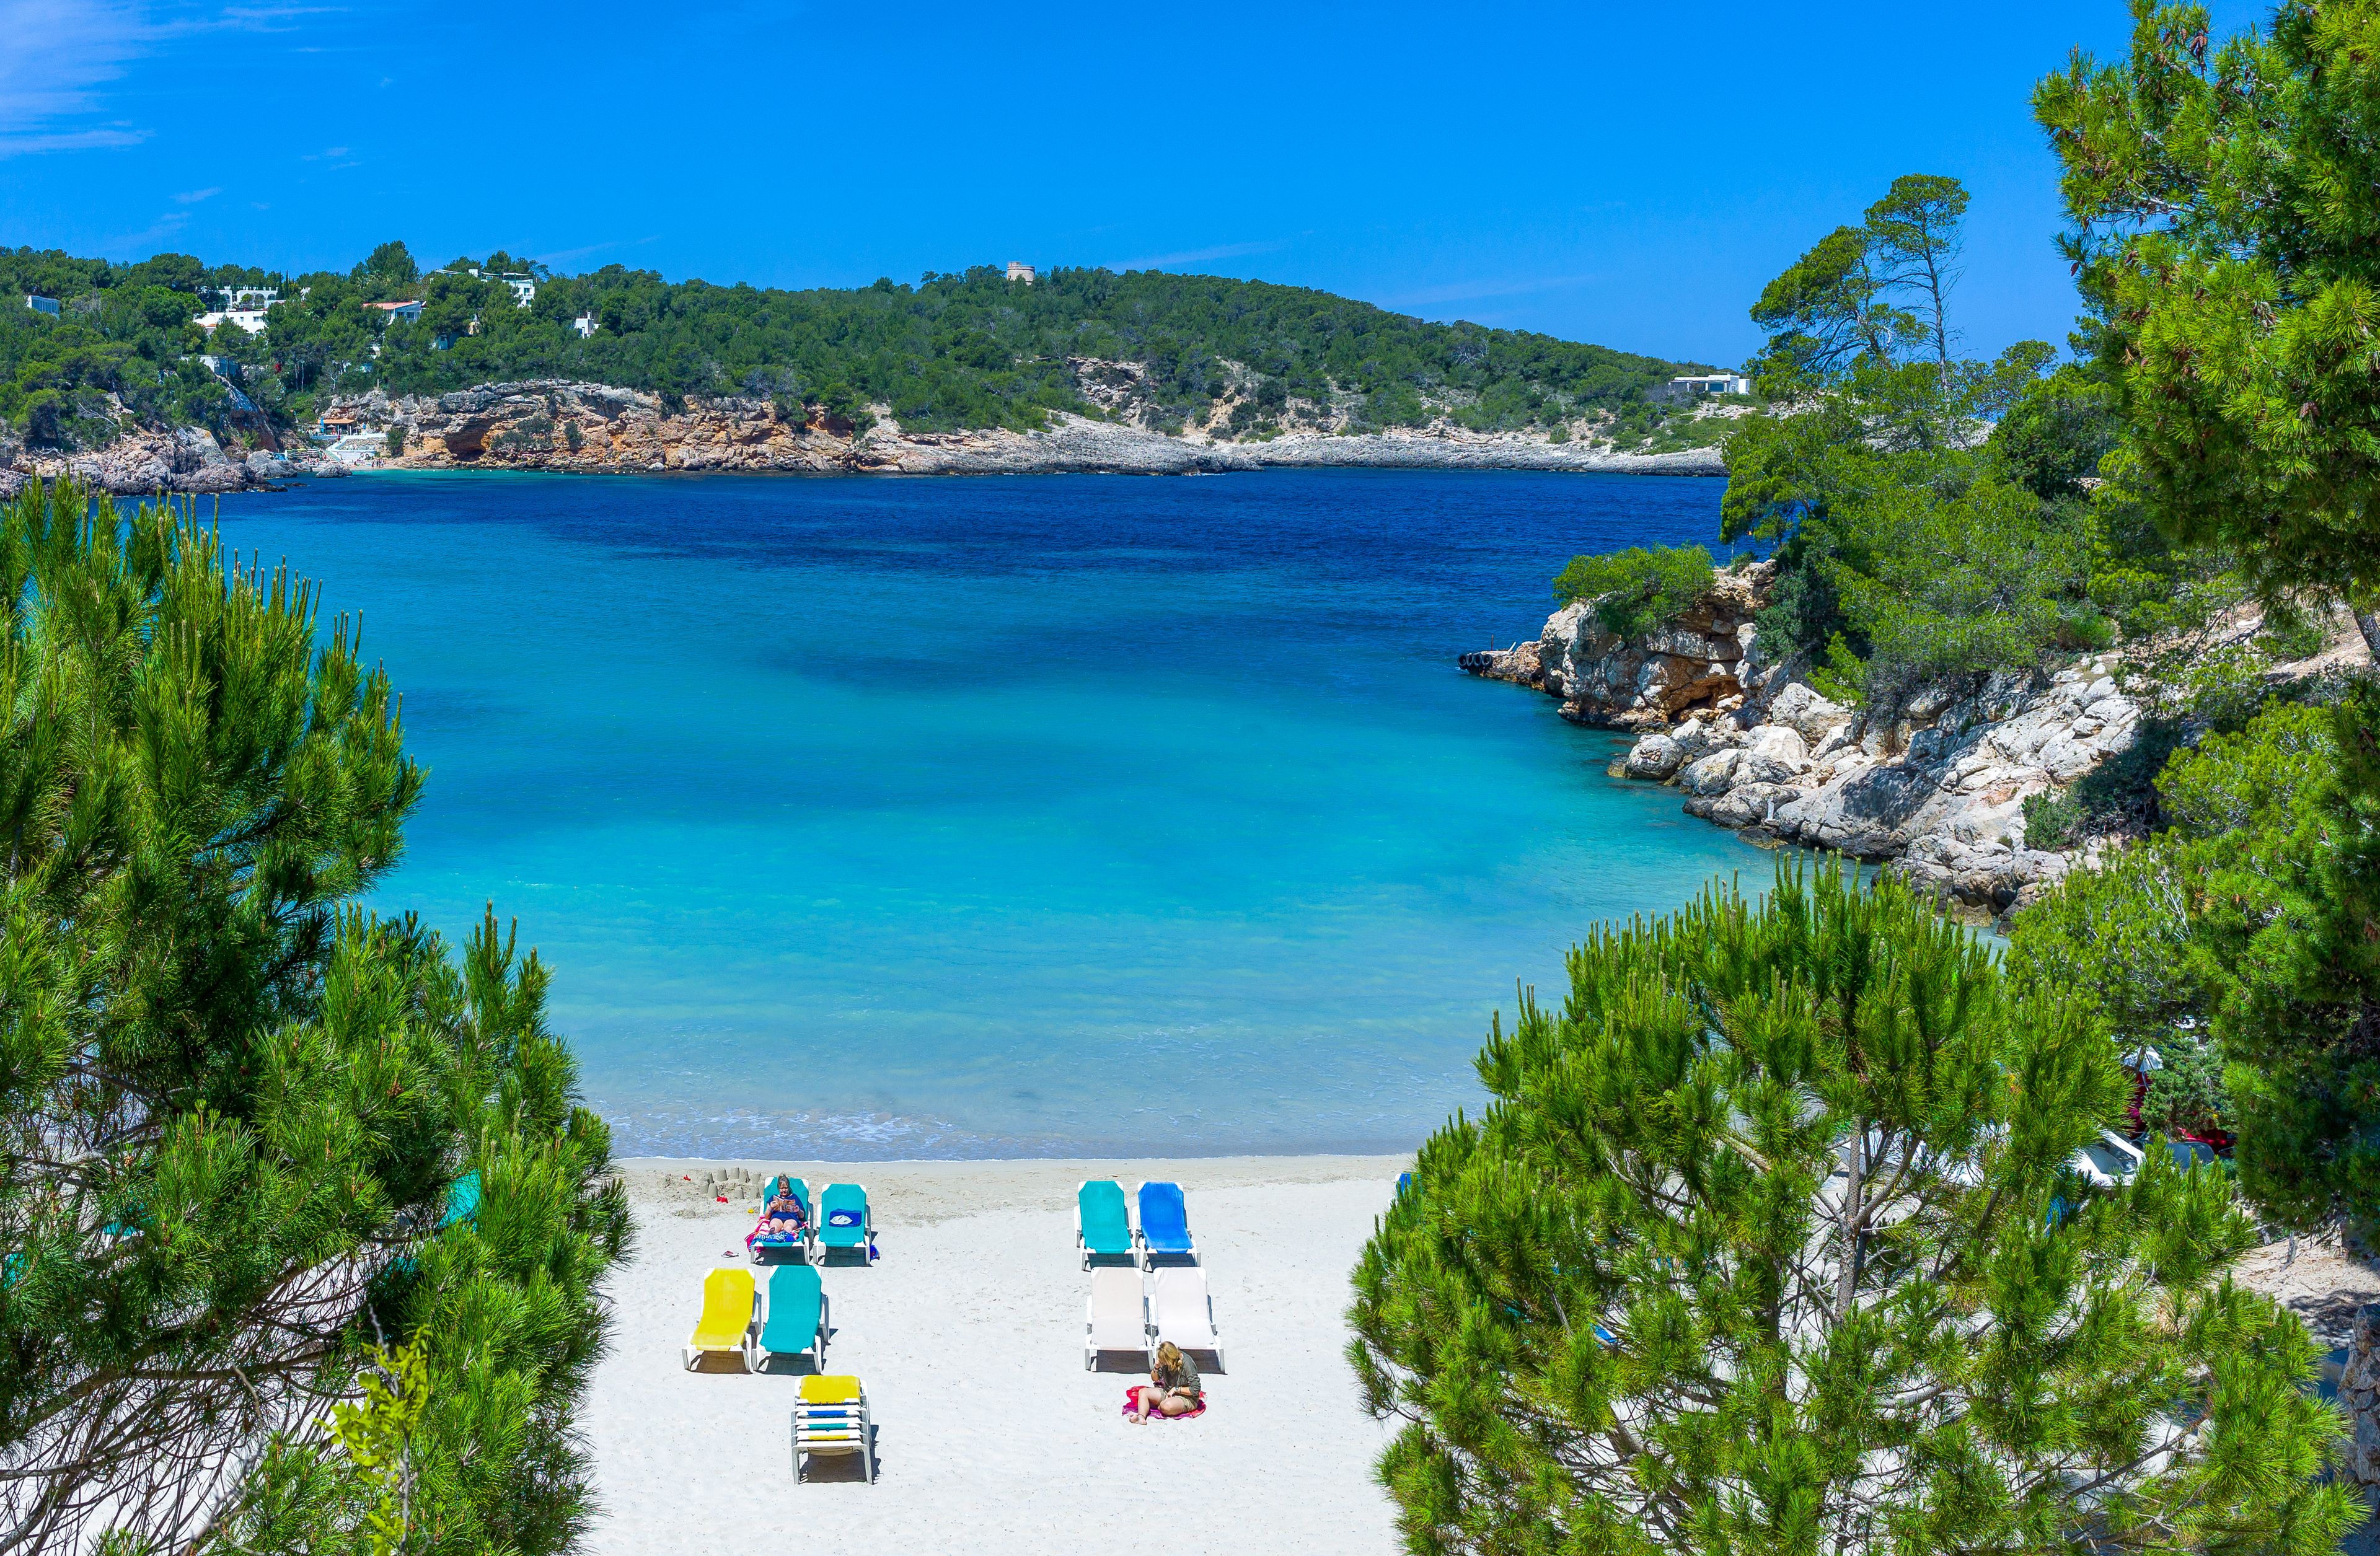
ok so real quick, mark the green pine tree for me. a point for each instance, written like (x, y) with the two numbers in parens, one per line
(234, 1108)
(1768, 1241)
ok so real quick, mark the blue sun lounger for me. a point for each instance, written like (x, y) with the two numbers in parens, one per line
(796, 1320)
(1102, 1228)
(844, 1220)
(1164, 1225)
(801, 1195)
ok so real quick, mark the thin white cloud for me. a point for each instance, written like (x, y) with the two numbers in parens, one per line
(1469, 291)
(1196, 256)
(60, 52)
(194, 196)
(555, 255)
(147, 240)
(70, 141)
(61, 55)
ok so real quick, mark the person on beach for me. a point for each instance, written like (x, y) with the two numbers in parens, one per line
(784, 1217)
(1176, 1391)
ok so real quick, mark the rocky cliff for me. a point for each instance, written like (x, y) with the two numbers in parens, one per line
(1935, 788)
(555, 425)
(142, 464)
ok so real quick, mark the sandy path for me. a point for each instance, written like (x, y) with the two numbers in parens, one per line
(967, 1334)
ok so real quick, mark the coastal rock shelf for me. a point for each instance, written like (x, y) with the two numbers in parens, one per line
(557, 425)
(1935, 788)
(186, 461)
(595, 429)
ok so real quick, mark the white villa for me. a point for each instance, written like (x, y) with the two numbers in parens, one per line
(1711, 383)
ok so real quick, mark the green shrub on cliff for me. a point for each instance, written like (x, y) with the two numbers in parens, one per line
(1640, 589)
(1766, 1241)
(236, 1111)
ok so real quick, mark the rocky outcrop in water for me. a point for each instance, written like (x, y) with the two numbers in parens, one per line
(1935, 788)
(185, 461)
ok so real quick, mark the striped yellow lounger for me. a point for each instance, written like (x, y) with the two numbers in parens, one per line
(831, 1418)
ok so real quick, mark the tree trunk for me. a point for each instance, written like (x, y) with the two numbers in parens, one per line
(2367, 623)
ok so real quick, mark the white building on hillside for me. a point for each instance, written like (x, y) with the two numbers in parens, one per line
(248, 319)
(1711, 383)
(41, 305)
(1019, 271)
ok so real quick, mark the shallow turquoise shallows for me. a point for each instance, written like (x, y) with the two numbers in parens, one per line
(1005, 817)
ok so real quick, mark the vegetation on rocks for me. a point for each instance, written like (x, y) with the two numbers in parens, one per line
(1637, 588)
(955, 351)
(247, 1129)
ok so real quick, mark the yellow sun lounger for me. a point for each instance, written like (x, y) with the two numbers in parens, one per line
(726, 1315)
(831, 1418)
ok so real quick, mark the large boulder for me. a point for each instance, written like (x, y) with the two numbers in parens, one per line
(1711, 774)
(1654, 757)
(212, 479)
(1802, 711)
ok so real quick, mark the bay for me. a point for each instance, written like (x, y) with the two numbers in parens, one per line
(1012, 816)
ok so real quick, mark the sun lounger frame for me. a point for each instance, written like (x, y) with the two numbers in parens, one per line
(755, 1347)
(1131, 1237)
(696, 1347)
(1180, 1275)
(1091, 1347)
(833, 1427)
(1150, 1256)
(820, 1247)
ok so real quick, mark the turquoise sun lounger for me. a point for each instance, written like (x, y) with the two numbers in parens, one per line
(1102, 1230)
(843, 1221)
(796, 1320)
(1164, 1224)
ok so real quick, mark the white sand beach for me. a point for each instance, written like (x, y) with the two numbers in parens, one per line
(968, 1336)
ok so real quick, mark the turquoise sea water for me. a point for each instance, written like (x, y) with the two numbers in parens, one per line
(1005, 817)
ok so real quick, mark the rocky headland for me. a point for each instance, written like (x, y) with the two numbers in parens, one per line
(561, 425)
(1933, 788)
(558, 425)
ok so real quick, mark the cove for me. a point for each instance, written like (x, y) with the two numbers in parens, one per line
(1010, 816)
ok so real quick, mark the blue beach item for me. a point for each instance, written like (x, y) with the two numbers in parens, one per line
(796, 1320)
(462, 1201)
(1164, 1222)
(843, 1221)
(832, 1416)
(1102, 1228)
(797, 1191)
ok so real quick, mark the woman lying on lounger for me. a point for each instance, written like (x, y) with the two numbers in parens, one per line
(1177, 1391)
(784, 1217)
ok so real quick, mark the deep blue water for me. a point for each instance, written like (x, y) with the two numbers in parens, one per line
(877, 818)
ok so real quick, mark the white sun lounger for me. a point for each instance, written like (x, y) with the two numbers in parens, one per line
(1115, 1316)
(1183, 1313)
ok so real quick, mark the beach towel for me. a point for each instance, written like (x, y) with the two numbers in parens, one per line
(1132, 1404)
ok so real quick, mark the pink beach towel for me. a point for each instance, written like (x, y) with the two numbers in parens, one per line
(1132, 1404)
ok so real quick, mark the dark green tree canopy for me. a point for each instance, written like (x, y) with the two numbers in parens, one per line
(1769, 1240)
(968, 349)
(2227, 239)
(233, 1106)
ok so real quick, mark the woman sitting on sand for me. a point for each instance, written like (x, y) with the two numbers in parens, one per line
(1176, 1380)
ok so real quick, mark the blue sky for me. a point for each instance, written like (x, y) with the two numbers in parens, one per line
(1616, 173)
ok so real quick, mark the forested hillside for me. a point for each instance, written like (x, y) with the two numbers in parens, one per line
(974, 349)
